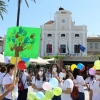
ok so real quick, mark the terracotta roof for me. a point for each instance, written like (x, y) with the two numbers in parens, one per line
(49, 22)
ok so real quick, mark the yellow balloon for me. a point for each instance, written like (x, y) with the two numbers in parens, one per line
(97, 64)
(94, 67)
(73, 66)
(13, 60)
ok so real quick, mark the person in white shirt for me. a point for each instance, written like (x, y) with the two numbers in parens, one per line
(66, 85)
(48, 75)
(22, 94)
(3, 70)
(79, 83)
(55, 74)
(38, 80)
(8, 81)
(95, 87)
(88, 81)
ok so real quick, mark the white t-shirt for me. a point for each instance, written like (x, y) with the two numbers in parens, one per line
(79, 82)
(60, 75)
(37, 83)
(24, 80)
(15, 92)
(1, 77)
(95, 86)
(48, 76)
(8, 80)
(68, 83)
(88, 80)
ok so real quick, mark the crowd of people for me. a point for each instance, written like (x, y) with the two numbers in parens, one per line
(67, 79)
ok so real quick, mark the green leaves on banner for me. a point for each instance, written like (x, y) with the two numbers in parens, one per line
(22, 42)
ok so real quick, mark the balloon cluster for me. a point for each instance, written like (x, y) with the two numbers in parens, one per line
(80, 66)
(92, 71)
(51, 88)
(22, 63)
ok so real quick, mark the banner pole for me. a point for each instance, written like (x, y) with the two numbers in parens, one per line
(15, 70)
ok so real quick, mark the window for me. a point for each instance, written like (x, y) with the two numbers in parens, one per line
(49, 35)
(76, 49)
(76, 35)
(62, 35)
(62, 48)
(96, 45)
(91, 45)
(49, 48)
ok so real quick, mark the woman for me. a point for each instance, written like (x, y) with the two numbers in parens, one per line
(3, 70)
(88, 80)
(79, 83)
(38, 80)
(8, 80)
(67, 85)
(55, 74)
(95, 87)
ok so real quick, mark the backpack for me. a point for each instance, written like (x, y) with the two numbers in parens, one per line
(20, 83)
(74, 93)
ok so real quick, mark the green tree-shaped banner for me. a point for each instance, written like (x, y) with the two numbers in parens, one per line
(22, 42)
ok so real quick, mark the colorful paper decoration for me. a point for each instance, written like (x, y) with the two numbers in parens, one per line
(22, 42)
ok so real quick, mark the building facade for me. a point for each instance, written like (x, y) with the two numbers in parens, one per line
(93, 45)
(62, 36)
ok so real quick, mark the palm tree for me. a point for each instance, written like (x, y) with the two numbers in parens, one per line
(2, 8)
(18, 11)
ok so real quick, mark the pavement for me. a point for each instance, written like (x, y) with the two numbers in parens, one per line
(86, 92)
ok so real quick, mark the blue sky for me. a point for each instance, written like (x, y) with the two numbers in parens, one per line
(85, 12)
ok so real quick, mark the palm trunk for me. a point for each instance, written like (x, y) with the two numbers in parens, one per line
(18, 12)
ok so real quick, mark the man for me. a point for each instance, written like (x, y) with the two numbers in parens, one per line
(6, 92)
(95, 87)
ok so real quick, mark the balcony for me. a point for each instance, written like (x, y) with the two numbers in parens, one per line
(64, 54)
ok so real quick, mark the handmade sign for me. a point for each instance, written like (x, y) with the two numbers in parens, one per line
(22, 42)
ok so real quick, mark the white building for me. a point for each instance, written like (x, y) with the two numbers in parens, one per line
(93, 45)
(62, 33)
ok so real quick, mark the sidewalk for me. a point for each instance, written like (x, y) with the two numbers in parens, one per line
(86, 93)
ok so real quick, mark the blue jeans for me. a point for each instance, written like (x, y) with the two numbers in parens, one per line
(6, 99)
(81, 96)
(56, 98)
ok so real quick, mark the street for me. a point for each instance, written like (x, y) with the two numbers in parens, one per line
(86, 93)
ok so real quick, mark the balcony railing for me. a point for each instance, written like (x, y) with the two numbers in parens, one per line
(63, 54)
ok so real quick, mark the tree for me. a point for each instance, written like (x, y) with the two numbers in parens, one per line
(2, 8)
(18, 11)
(19, 40)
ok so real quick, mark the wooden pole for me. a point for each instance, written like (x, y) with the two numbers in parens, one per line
(15, 70)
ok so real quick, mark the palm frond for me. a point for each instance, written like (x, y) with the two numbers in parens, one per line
(26, 3)
(1, 15)
(34, 1)
(2, 8)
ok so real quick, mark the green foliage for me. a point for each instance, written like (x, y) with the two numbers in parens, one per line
(2, 8)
